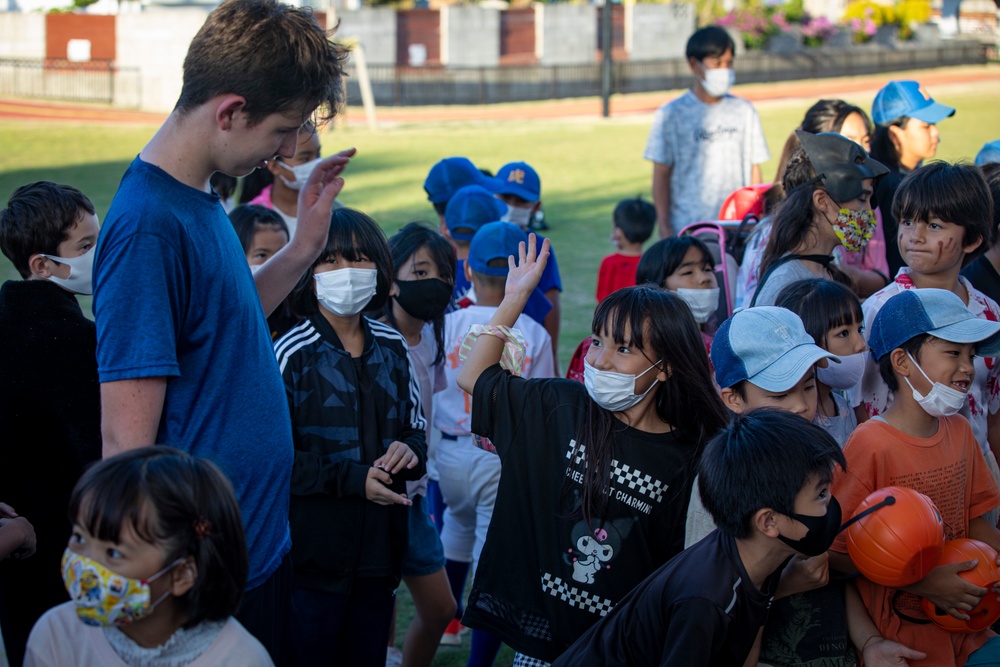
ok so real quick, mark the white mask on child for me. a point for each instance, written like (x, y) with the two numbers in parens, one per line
(717, 82)
(81, 272)
(302, 173)
(941, 400)
(518, 216)
(613, 391)
(844, 375)
(702, 302)
(345, 292)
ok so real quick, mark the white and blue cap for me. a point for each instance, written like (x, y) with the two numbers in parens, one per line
(989, 153)
(766, 345)
(937, 312)
(907, 98)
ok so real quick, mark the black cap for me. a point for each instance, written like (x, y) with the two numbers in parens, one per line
(840, 163)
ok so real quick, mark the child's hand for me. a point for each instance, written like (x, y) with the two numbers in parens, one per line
(398, 456)
(316, 199)
(524, 274)
(804, 574)
(882, 653)
(377, 491)
(19, 534)
(6, 511)
(948, 591)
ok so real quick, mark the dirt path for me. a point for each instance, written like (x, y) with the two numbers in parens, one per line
(621, 105)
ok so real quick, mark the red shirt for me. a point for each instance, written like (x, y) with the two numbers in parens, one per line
(617, 271)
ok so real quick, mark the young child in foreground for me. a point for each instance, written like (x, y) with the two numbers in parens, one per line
(155, 567)
(766, 481)
(925, 341)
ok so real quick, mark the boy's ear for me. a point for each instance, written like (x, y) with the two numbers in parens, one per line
(732, 400)
(973, 246)
(900, 362)
(39, 266)
(228, 109)
(183, 577)
(693, 64)
(765, 520)
(468, 271)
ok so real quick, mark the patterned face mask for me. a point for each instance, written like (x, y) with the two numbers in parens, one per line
(105, 598)
(854, 228)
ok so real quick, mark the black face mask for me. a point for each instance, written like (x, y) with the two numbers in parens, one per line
(822, 531)
(424, 299)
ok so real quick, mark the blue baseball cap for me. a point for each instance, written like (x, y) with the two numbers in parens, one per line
(931, 311)
(907, 98)
(449, 175)
(494, 241)
(471, 207)
(766, 345)
(518, 178)
(989, 153)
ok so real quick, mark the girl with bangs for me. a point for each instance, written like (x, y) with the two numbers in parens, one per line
(358, 433)
(596, 477)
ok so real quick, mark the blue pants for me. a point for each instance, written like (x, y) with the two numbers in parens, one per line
(987, 655)
(350, 630)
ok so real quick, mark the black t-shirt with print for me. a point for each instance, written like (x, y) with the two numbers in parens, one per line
(699, 609)
(544, 577)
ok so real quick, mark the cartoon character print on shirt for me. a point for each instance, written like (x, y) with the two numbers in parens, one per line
(594, 548)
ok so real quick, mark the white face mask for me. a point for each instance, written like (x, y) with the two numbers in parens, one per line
(518, 216)
(345, 292)
(302, 173)
(717, 82)
(941, 400)
(613, 391)
(846, 374)
(81, 272)
(703, 302)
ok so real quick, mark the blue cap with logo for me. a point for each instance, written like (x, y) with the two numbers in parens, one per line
(766, 345)
(470, 208)
(937, 312)
(497, 240)
(906, 98)
(518, 178)
(449, 175)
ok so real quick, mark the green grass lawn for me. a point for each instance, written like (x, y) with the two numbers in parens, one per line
(586, 165)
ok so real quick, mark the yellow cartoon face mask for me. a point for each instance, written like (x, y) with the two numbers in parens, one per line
(105, 598)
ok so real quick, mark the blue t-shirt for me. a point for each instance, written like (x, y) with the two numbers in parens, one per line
(174, 298)
(538, 305)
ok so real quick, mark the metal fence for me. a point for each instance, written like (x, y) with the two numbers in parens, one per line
(96, 81)
(394, 85)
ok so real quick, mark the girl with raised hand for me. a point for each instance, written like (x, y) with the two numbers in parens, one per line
(596, 478)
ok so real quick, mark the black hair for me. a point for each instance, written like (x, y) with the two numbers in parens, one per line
(824, 116)
(911, 347)
(636, 218)
(403, 245)
(37, 219)
(223, 184)
(821, 305)
(488, 279)
(991, 172)
(439, 208)
(955, 193)
(763, 459)
(659, 324)
(662, 259)
(246, 218)
(275, 56)
(709, 42)
(352, 234)
(177, 501)
(793, 220)
(884, 148)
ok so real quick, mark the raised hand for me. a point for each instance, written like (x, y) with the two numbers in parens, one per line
(526, 271)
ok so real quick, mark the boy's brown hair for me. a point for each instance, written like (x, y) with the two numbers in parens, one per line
(276, 56)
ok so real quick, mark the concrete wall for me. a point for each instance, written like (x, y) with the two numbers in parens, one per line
(22, 35)
(167, 34)
(565, 34)
(375, 28)
(657, 32)
(470, 36)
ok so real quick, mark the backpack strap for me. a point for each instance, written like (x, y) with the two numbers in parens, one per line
(819, 259)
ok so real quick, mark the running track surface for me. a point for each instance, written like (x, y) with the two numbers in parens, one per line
(621, 105)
